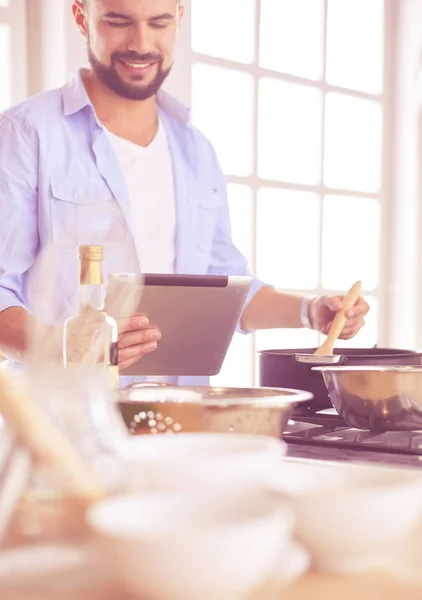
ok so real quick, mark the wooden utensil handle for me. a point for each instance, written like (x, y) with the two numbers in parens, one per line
(46, 444)
(340, 319)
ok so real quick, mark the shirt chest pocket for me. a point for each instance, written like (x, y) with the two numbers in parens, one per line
(209, 215)
(83, 214)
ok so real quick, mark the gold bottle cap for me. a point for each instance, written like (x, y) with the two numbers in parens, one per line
(91, 253)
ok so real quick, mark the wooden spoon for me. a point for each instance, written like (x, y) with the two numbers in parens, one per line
(340, 320)
(46, 444)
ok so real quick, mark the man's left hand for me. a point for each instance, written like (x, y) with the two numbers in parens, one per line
(323, 310)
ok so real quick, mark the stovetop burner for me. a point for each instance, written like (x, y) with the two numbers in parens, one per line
(324, 435)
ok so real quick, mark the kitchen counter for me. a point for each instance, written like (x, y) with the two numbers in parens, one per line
(87, 581)
(324, 587)
(311, 587)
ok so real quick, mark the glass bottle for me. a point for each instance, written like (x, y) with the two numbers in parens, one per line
(90, 337)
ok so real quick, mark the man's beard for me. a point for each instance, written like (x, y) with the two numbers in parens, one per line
(110, 77)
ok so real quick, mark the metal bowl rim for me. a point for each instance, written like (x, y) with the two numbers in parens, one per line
(268, 397)
(369, 369)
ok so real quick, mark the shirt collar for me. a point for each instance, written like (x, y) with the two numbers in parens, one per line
(75, 99)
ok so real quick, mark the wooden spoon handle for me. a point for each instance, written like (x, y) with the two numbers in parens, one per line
(340, 319)
(46, 444)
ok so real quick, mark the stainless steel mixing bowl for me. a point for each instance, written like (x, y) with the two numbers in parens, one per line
(376, 398)
(163, 409)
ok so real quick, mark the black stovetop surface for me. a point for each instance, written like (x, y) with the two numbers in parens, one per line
(324, 435)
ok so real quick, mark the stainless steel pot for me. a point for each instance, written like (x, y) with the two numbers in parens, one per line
(293, 368)
(376, 398)
(156, 409)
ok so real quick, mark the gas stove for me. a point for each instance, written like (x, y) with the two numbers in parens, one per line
(325, 436)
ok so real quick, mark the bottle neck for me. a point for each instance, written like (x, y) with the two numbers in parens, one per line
(91, 292)
(91, 296)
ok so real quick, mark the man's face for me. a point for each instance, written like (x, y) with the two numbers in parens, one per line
(131, 43)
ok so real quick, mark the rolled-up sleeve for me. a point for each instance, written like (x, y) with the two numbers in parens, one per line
(19, 238)
(226, 259)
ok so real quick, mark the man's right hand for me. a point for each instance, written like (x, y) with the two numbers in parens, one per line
(136, 338)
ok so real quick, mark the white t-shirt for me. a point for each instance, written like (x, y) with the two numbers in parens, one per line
(148, 173)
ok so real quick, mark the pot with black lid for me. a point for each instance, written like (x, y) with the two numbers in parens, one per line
(293, 369)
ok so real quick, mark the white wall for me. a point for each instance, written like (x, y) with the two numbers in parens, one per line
(47, 44)
(17, 17)
(57, 49)
(406, 267)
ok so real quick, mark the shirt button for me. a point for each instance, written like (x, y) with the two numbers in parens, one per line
(82, 194)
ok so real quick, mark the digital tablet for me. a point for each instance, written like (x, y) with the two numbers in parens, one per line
(196, 314)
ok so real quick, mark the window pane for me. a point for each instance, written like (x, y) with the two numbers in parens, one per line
(355, 44)
(288, 238)
(292, 37)
(368, 335)
(273, 339)
(238, 366)
(242, 218)
(289, 144)
(5, 67)
(351, 237)
(223, 109)
(353, 143)
(234, 20)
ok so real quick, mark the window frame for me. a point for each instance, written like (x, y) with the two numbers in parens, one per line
(383, 195)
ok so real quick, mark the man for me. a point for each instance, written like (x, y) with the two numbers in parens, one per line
(110, 159)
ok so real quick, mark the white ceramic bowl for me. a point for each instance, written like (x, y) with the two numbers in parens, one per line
(177, 546)
(353, 518)
(192, 459)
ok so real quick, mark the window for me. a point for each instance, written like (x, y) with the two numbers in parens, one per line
(13, 52)
(292, 95)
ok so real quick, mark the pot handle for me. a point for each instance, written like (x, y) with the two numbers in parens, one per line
(310, 360)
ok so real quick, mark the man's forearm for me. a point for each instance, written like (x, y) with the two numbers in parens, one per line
(270, 309)
(14, 327)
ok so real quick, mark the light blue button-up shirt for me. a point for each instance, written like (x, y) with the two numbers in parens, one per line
(61, 184)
